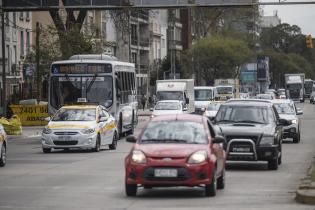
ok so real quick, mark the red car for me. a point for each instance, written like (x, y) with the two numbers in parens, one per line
(176, 150)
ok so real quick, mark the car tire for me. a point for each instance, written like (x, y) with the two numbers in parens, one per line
(297, 139)
(132, 130)
(131, 189)
(273, 164)
(113, 146)
(211, 189)
(97, 147)
(46, 150)
(3, 157)
(221, 181)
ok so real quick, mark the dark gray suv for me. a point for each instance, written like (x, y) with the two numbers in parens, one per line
(253, 131)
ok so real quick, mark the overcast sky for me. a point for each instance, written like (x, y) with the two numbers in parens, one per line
(301, 15)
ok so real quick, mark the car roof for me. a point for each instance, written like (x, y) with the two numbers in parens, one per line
(278, 101)
(204, 87)
(180, 117)
(249, 102)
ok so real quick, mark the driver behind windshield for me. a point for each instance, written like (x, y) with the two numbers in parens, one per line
(70, 94)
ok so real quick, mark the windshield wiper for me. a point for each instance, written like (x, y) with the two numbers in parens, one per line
(249, 121)
(90, 85)
(226, 121)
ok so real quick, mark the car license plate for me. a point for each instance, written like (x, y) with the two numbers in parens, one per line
(65, 138)
(165, 172)
(241, 149)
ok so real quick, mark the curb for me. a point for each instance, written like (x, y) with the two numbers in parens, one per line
(306, 191)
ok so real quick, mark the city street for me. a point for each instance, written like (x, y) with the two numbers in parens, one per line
(77, 180)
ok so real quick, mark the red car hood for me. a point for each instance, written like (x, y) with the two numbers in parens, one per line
(170, 150)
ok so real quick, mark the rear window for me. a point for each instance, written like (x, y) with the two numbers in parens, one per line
(178, 132)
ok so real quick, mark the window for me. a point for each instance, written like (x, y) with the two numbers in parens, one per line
(28, 42)
(22, 43)
(21, 15)
(134, 34)
(14, 19)
(7, 19)
(27, 16)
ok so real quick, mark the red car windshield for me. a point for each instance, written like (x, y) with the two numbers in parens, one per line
(175, 132)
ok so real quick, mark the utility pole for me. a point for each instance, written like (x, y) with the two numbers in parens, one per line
(4, 84)
(37, 61)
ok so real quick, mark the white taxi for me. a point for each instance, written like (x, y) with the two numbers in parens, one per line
(3, 147)
(80, 126)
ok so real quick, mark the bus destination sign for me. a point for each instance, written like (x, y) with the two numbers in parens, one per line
(90, 68)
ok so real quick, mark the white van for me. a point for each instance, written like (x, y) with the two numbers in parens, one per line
(203, 95)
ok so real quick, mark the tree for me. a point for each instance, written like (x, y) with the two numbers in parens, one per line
(281, 63)
(215, 57)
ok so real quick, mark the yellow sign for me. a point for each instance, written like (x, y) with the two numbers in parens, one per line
(31, 115)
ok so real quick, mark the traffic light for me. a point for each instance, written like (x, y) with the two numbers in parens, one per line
(309, 41)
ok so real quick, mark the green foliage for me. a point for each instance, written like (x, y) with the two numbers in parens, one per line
(215, 57)
(282, 63)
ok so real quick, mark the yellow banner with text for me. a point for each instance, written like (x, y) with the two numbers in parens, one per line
(31, 115)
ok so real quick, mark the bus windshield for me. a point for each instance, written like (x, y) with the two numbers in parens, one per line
(67, 90)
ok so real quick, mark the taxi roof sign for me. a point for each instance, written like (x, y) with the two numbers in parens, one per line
(82, 100)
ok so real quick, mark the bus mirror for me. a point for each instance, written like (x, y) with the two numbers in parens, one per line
(187, 100)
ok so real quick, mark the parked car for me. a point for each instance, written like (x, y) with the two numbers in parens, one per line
(3, 147)
(253, 130)
(168, 107)
(80, 126)
(176, 150)
(212, 109)
(287, 110)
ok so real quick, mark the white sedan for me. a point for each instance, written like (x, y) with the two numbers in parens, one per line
(168, 107)
(3, 147)
(80, 126)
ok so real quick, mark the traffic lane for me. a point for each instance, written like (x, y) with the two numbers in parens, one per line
(96, 181)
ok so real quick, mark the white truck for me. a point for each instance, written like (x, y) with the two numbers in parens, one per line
(227, 88)
(294, 85)
(203, 96)
(177, 89)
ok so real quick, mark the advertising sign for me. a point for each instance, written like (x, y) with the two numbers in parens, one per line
(31, 115)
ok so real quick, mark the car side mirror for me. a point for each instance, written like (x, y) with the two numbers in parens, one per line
(131, 139)
(219, 140)
(185, 109)
(151, 109)
(187, 100)
(284, 122)
(47, 119)
(299, 111)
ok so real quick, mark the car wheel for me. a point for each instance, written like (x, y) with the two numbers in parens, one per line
(211, 189)
(273, 164)
(113, 146)
(131, 189)
(297, 138)
(46, 150)
(221, 180)
(280, 157)
(3, 157)
(97, 147)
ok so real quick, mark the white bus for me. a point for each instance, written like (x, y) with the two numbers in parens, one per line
(100, 79)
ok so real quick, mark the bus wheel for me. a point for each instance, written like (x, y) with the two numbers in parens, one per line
(132, 129)
(120, 126)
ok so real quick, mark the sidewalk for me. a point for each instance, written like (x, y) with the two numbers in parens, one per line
(29, 132)
(306, 190)
(145, 112)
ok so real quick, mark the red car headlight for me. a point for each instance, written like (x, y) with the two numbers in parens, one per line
(138, 157)
(198, 157)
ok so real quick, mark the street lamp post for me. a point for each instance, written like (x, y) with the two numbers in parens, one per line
(3, 63)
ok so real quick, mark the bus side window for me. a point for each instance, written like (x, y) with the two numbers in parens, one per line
(118, 87)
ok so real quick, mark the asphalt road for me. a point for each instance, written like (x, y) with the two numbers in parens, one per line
(78, 180)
